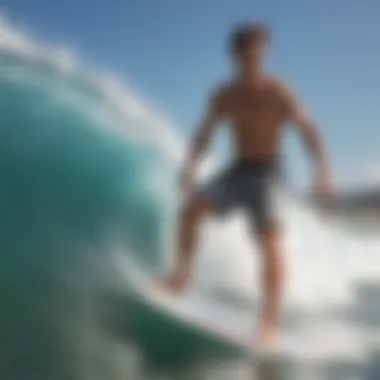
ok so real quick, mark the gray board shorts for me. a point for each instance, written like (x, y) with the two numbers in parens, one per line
(248, 185)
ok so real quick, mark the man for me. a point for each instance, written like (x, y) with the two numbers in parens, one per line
(256, 106)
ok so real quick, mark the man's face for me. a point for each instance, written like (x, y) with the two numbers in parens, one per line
(252, 55)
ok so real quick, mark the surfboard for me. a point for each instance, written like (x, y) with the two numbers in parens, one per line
(202, 319)
(197, 311)
(175, 327)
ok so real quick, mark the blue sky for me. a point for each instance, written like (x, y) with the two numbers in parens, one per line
(175, 51)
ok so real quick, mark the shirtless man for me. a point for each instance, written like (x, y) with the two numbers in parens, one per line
(256, 106)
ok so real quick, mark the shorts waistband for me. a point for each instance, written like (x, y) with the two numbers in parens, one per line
(271, 163)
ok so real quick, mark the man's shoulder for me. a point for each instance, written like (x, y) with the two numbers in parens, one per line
(220, 94)
(223, 88)
(278, 85)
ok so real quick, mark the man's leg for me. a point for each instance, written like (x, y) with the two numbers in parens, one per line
(190, 219)
(270, 244)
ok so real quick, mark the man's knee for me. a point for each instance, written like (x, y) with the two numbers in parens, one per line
(270, 238)
(195, 209)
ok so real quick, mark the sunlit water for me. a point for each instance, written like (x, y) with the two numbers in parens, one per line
(88, 198)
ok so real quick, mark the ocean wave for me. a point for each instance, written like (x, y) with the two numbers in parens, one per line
(85, 167)
(88, 173)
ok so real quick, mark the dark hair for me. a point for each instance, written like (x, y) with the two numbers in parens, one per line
(245, 34)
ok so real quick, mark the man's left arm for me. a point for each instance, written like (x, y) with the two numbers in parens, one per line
(301, 121)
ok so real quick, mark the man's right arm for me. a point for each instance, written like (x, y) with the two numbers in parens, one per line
(205, 132)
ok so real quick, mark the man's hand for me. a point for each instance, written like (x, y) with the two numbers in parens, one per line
(323, 186)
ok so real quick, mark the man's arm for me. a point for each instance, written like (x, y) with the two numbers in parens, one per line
(205, 132)
(298, 117)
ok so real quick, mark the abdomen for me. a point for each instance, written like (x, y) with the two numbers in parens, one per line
(256, 142)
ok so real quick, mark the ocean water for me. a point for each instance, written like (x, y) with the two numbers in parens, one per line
(88, 182)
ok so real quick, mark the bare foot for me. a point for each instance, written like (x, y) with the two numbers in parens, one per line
(266, 337)
(173, 283)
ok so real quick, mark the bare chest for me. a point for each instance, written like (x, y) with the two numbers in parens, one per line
(253, 108)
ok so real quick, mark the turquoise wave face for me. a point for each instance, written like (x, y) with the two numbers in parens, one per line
(61, 162)
(72, 189)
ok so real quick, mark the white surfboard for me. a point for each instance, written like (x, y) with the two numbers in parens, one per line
(197, 312)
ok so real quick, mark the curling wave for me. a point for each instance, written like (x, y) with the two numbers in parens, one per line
(87, 175)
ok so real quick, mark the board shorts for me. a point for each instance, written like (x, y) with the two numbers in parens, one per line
(248, 185)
